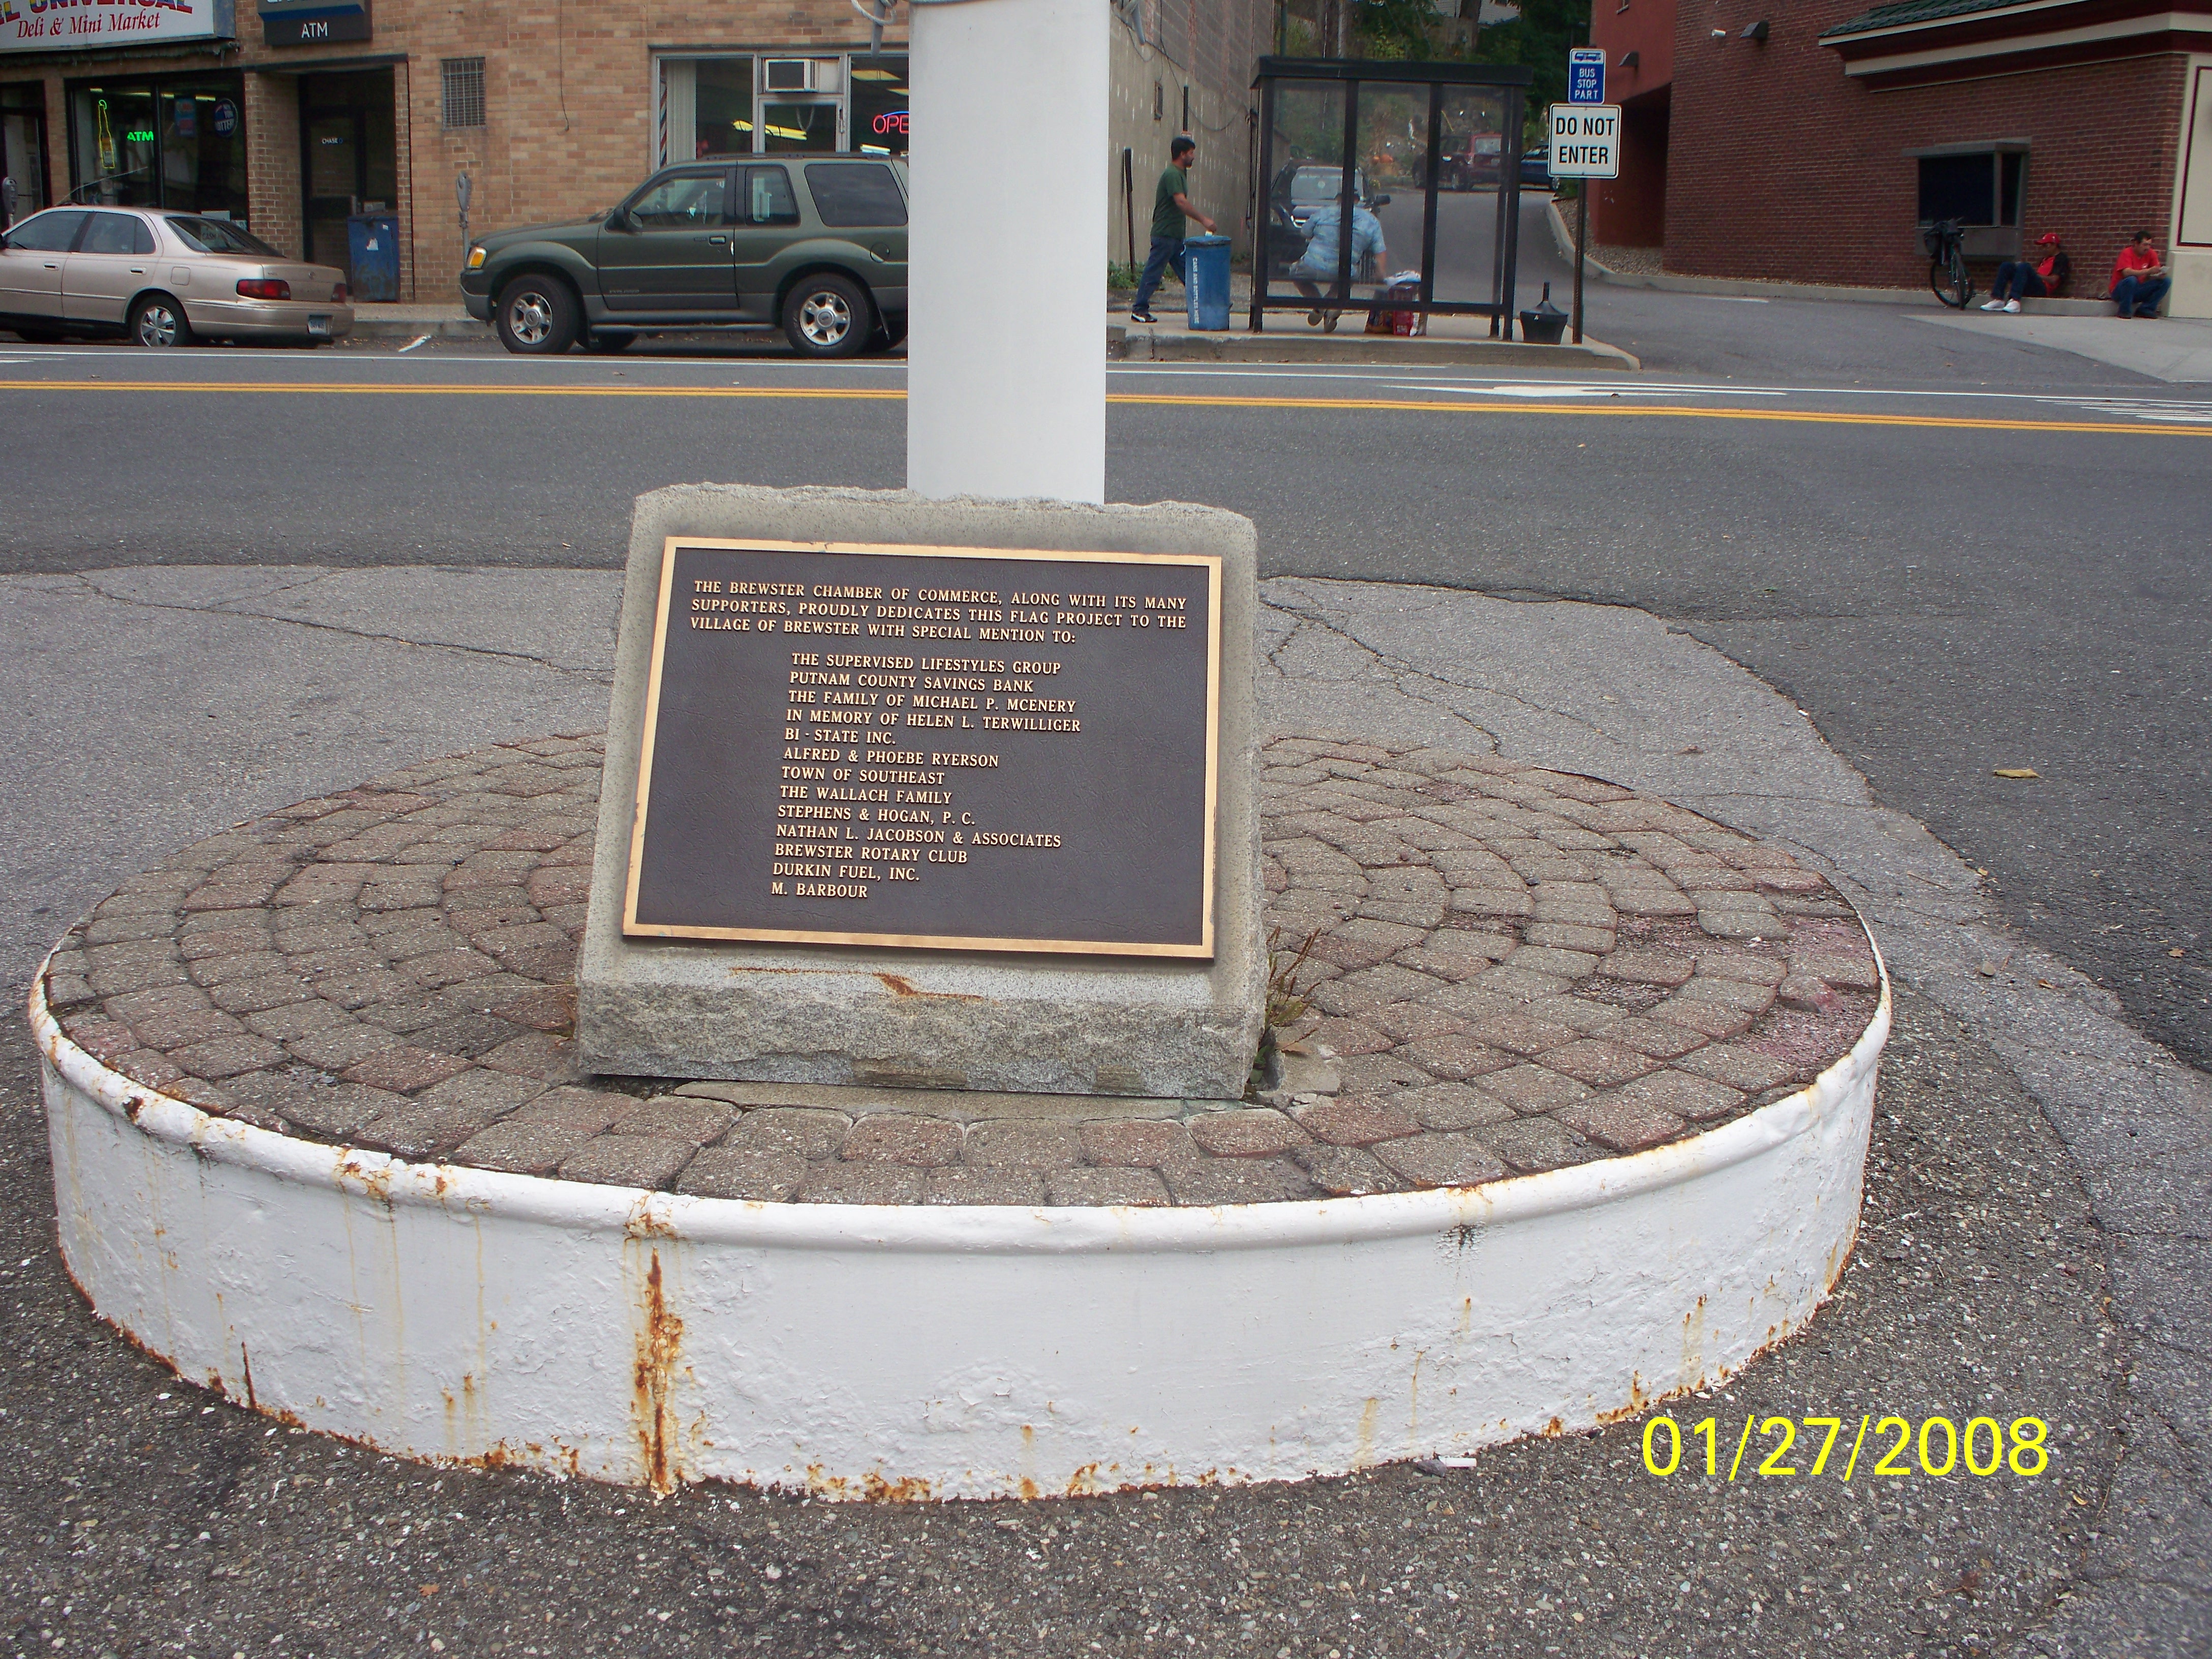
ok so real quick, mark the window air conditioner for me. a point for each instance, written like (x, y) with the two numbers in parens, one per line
(788, 74)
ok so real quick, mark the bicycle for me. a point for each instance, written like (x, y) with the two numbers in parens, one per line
(1946, 264)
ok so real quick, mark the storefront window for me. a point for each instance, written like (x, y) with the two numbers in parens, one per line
(723, 123)
(794, 125)
(728, 105)
(879, 105)
(203, 165)
(115, 149)
(172, 143)
(23, 144)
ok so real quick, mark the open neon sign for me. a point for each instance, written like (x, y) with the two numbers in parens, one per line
(890, 121)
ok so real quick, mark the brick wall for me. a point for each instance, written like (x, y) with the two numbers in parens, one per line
(1210, 48)
(1780, 166)
(1631, 211)
(272, 162)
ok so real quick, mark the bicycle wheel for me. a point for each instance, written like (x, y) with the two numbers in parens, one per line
(1948, 279)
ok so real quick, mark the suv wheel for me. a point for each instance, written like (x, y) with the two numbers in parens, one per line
(827, 315)
(537, 315)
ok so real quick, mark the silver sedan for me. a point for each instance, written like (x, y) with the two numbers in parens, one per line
(162, 278)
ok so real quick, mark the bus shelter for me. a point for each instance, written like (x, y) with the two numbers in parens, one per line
(1389, 177)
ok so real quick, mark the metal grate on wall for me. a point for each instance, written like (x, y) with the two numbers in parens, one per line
(464, 79)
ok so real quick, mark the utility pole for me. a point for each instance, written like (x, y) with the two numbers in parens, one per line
(1009, 400)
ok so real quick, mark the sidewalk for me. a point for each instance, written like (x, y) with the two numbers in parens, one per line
(1668, 281)
(2171, 348)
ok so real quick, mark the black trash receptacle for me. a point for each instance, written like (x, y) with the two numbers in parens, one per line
(1543, 323)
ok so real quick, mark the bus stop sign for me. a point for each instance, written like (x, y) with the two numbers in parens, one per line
(1586, 75)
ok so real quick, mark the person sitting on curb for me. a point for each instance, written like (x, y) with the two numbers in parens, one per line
(1319, 261)
(2018, 280)
(1172, 206)
(2139, 278)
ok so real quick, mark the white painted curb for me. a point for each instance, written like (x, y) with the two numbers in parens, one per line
(939, 1351)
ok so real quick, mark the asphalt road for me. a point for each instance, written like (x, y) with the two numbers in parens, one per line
(1955, 571)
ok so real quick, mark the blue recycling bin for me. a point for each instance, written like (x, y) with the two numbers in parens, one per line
(373, 252)
(1206, 281)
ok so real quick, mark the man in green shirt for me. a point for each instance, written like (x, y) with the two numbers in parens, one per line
(1172, 206)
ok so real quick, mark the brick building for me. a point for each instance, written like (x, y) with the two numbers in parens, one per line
(1810, 143)
(295, 116)
(1184, 66)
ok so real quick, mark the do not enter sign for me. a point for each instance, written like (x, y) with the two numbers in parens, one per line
(1585, 141)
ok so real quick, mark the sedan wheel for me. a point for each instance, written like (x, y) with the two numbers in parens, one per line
(157, 320)
(827, 316)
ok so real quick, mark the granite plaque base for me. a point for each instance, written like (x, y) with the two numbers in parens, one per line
(1171, 1004)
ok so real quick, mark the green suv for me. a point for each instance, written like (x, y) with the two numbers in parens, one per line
(815, 244)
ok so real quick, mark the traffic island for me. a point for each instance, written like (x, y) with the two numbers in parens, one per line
(1572, 1118)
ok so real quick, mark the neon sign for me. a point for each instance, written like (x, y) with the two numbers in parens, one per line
(890, 121)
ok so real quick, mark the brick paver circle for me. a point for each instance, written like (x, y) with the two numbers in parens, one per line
(1512, 970)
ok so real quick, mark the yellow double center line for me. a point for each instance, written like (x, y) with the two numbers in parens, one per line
(1610, 407)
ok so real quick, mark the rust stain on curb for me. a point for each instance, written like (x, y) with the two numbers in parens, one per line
(660, 1349)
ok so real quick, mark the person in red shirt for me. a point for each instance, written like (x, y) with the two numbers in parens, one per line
(2139, 278)
(2017, 279)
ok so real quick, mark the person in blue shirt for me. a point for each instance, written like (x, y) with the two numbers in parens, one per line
(1318, 263)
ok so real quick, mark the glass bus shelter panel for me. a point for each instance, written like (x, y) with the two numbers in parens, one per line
(1306, 152)
(1473, 156)
(1394, 151)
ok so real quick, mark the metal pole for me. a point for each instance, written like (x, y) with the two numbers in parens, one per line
(1507, 272)
(1431, 165)
(1129, 198)
(1581, 240)
(1346, 198)
(1265, 208)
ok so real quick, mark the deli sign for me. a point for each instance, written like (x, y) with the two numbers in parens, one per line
(310, 22)
(91, 25)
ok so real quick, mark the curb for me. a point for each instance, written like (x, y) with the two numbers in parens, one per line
(439, 328)
(857, 1352)
(1143, 345)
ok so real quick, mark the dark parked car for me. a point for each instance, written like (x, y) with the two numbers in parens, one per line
(815, 244)
(1536, 169)
(1305, 188)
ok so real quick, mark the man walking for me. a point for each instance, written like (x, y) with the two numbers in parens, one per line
(1172, 206)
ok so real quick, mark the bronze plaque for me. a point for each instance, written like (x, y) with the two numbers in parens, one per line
(948, 748)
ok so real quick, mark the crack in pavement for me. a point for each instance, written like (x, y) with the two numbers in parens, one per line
(227, 608)
(1398, 670)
